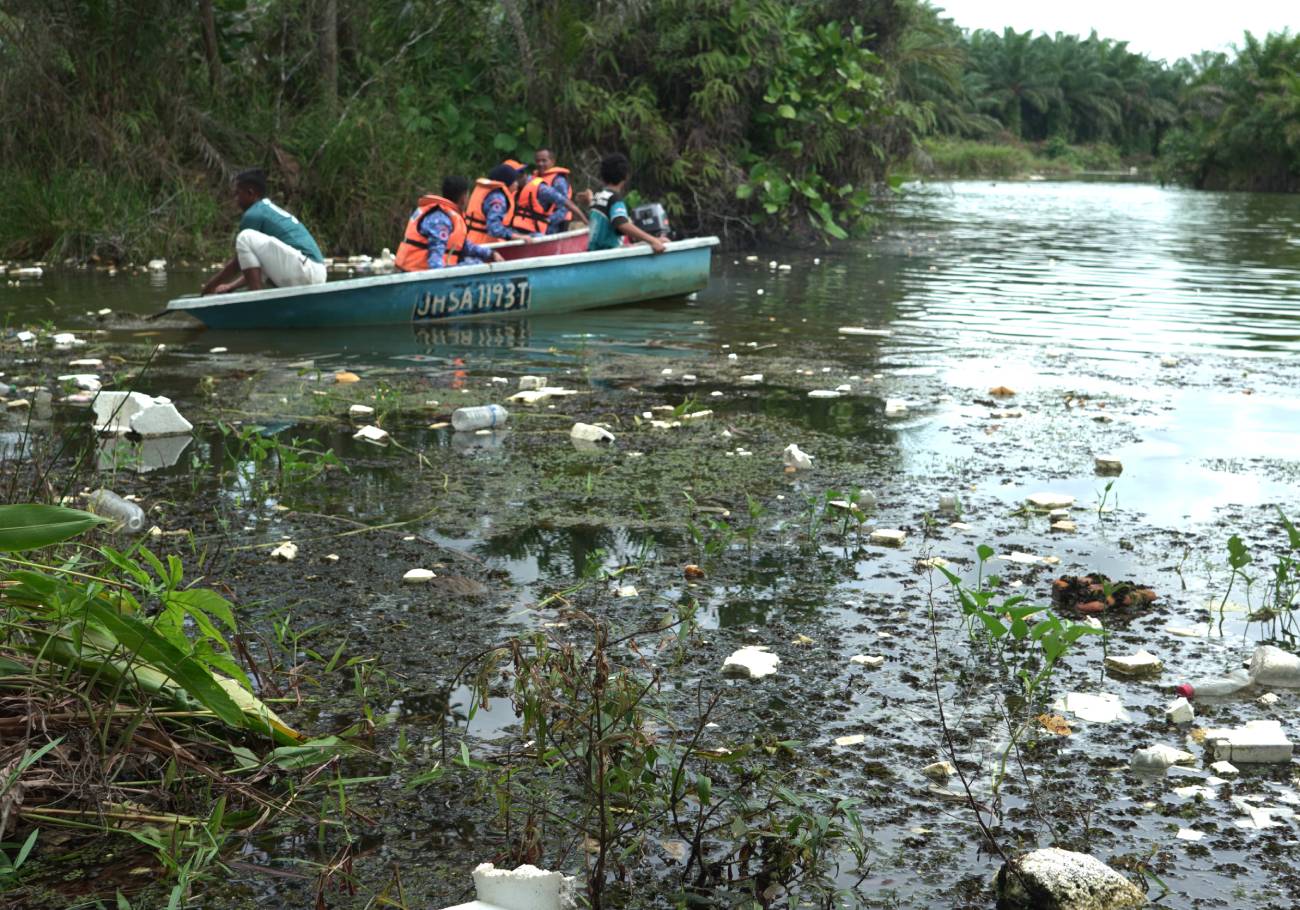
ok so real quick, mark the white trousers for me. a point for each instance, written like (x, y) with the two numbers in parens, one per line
(281, 264)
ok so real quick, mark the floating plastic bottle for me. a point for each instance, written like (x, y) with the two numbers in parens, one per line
(1216, 686)
(481, 418)
(127, 516)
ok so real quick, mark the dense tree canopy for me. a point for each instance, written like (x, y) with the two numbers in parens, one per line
(1214, 121)
(122, 120)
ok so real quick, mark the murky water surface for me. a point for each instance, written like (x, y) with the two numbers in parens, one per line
(1069, 293)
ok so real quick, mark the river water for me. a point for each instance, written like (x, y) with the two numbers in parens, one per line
(1069, 293)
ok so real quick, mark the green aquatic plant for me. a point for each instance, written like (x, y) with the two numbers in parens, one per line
(597, 722)
(1027, 640)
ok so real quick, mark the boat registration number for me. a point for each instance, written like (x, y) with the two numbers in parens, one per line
(471, 298)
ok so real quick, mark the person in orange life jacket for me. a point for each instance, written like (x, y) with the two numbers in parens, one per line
(436, 232)
(610, 221)
(492, 203)
(545, 202)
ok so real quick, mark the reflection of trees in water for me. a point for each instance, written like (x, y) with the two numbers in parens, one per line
(566, 550)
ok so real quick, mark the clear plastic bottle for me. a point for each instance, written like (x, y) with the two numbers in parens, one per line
(481, 418)
(127, 516)
(1215, 686)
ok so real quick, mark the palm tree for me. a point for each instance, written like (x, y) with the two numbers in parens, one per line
(1013, 65)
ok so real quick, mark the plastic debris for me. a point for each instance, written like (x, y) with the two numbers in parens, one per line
(127, 517)
(1049, 501)
(1067, 527)
(418, 577)
(1001, 391)
(1159, 758)
(871, 662)
(859, 330)
(531, 383)
(537, 396)
(135, 412)
(1028, 559)
(157, 265)
(1107, 465)
(1257, 742)
(627, 591)
(1180, 711)
(1268, 699)
(331, 557)
(484, 417)
(855, 739)
(1190, 834)
(824, 393)
(1271, 666)
(752, 377)
(586, 432)
(948, 504)
(1101, 708)
(359, 411)
(888, 537)
(18, 404)
(895, 407)
(285, 552)
(752, 661)
(1225, 769)
(344, 377)
(697, 415)
(1142, 663)
(939, 771)
(525, 888)
(25, 337)
(796, 458)
(1215, 687)
(373, 435)
(1167, 361)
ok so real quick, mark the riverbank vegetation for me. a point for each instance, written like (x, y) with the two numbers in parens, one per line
(124, 119)
(1045, 103)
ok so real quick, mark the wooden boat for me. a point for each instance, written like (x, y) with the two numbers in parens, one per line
(574, 241)
(562, 283)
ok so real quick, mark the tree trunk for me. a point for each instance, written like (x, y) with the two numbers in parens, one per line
(210, 50)
(329, 53)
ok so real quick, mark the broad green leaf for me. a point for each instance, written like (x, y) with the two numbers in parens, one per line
(137, 638)
(505, 142)
(1238, 555)
(28, 526)
(744, 191)
(786, 111)
(993, 624)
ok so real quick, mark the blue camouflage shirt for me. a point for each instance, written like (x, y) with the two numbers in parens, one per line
(436, 228)
(495, 207)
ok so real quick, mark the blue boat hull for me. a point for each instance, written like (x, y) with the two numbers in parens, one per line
(552, 284)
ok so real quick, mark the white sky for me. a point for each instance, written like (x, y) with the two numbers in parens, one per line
(1157, 28)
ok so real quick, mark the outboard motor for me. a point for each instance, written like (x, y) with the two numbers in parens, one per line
(652, 219)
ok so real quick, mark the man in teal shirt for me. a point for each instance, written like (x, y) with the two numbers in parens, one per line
(609, 218)
(271, 246)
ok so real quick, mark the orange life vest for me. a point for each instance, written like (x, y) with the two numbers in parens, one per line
(476, 218)
(413, 251)
(530, 214)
